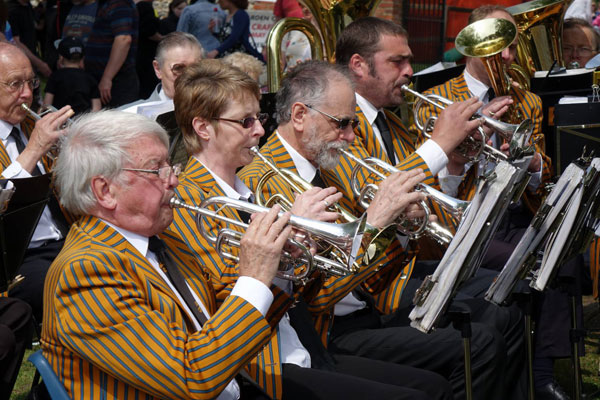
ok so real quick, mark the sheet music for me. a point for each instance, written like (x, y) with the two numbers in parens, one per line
(528, 246)
(470, 242)
(152, 109)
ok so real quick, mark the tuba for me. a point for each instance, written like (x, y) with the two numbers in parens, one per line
(380, 240)
(381, 169)
(331, 17)
(346, 237)
(540, 33)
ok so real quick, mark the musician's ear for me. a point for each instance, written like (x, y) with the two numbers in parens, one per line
(104, 193)
(358, 66)
(157, 69)
(202, 127)
(298, 116)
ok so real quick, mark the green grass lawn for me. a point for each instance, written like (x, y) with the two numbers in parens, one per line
(590, 364)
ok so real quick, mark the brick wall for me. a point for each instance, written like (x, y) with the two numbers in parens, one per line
(390, 9)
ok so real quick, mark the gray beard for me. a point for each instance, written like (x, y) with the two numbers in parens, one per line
(323, 155)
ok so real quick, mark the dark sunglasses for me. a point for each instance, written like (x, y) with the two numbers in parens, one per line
(247, 122)
(342, 123)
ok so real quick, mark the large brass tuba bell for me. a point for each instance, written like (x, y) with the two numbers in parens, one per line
(331, 17)
(540, 33)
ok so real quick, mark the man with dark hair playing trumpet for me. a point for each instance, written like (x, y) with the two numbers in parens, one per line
(217, 110)
(316, 112)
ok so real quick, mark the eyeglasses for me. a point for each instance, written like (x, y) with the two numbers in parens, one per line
(177, 69)
(247, 122)
(163, 173)
(342, 123)
(17, 86)
(580, 51)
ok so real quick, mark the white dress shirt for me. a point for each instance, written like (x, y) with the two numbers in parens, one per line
(46, 230)
(430, 151)
(307, 171)
(449, 183)
(292, 350)
(250, 289)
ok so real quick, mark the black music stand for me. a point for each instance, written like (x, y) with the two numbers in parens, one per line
(577, 125)
(427, 81)
(19, 221)
(551, 88)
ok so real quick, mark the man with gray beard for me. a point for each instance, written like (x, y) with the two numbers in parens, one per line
(316, 115)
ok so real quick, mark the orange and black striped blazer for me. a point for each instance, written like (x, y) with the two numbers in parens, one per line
(529, 104)
(374, 277)
(197, 184)
(114, 329)
(366, 145)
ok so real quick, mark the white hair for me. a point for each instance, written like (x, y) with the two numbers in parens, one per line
(96, 144)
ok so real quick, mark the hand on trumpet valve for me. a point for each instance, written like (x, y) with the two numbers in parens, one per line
(455, 123)
(395, 194)
(262, 244)
(315, 204)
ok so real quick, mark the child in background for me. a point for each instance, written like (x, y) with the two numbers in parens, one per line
(70, 84)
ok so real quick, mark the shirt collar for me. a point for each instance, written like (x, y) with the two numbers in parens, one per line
(239, 189)
(476, 87)
(161, 93)
(5, 129)
(305, 169)
(368, 109)
(138, 241)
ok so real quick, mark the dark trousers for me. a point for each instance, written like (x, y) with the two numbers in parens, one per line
(15, 334)
(125, 88)
(34, 268)
(362, 378)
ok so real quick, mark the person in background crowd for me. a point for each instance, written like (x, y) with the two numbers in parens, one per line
(196, 18)
(169, 24)
(234, 34)
(22, 23)
(580, 42)
(70, 84)
(80, 20)
(111, 50)
(246, 63)
(149, 36)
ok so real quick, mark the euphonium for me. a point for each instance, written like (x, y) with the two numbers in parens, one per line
(540, 33)
(365, 194)
(517, 135)
(342, 236)
(379, 243)
(486, 39)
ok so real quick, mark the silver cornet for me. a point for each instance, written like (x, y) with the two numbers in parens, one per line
(366, 193)
(54, 150)
(346, 237)
(517, 135)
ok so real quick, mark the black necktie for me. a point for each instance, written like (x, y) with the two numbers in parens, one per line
(57, 215)
(245, 216)
(318, 180)
(303, 325)
(15, 133)
(158, 247)
(386, 135)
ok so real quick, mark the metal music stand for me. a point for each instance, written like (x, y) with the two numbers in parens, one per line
(18, 222)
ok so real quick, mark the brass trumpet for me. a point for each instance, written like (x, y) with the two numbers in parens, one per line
(365, 194)
(380, 240)
(343, 236)
(517, 135)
